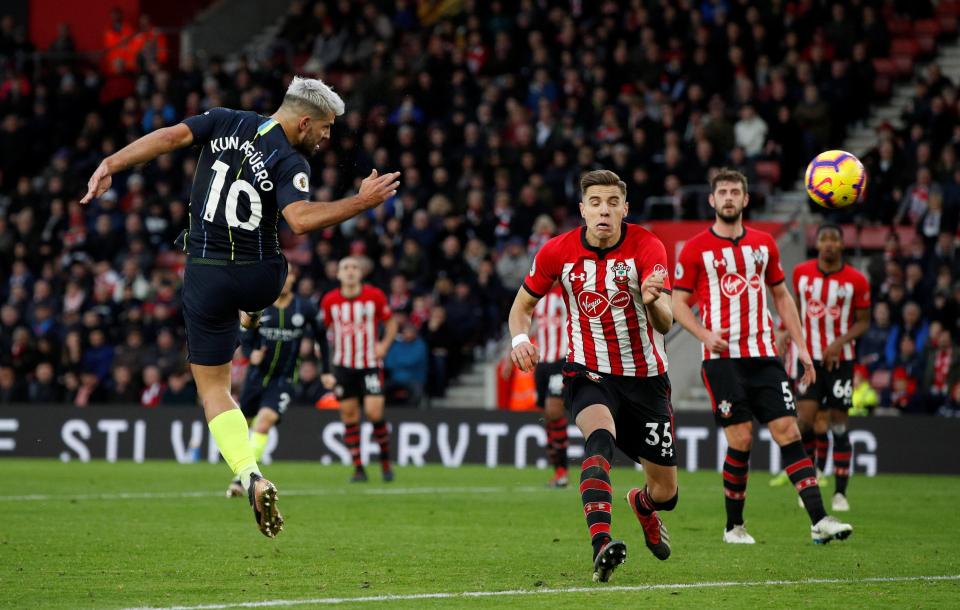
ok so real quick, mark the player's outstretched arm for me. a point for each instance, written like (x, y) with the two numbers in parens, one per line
(306, 216)
(524, 353)
(147, 148)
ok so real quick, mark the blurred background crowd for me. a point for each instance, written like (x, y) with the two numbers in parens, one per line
(492, 110)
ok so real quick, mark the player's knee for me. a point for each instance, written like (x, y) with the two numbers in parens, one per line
(741, 440)
(601, 443)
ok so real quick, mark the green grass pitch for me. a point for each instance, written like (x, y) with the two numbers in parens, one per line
(161, 534)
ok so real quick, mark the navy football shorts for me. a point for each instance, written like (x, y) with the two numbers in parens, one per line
(214, 293)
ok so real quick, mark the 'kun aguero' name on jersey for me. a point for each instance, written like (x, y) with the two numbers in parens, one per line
(253, 157)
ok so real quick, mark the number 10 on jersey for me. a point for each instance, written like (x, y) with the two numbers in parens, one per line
(220, 170)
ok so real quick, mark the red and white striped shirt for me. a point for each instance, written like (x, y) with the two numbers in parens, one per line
(827, 305)
(550, 321)
(356, 325)
(729, 279)
(607, 325)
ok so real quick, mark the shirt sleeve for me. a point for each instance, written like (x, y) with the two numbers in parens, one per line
(293, 183)
(774, 274)
(653, 261)
(688, 268)
(544, 271)
(205, 125)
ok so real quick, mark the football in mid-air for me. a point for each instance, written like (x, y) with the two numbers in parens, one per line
(835, 179)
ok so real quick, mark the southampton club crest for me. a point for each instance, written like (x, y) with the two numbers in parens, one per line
(725, 408)
(621, 273)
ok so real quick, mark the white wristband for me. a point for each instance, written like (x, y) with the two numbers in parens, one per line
(521, 338)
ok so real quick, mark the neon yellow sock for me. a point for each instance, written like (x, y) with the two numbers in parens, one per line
(258, 442)
(230, 431)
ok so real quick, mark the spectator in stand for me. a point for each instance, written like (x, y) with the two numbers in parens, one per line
(916, 200)
(11, 390)
(942, 371)
(153, 387)
(514, 264)
(43, 387)
(406, 365)
(913, 326)
(864, 397)
(310, 388)
(872, 346)
(181, 391)
(124, 389)
(750, 131)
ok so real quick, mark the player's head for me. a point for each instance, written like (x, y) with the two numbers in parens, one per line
(310, 106)
(829, 243)
(728, 195)
(604, 202)
(350, 272)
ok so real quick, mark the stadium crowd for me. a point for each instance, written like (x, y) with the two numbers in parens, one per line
(492, 115)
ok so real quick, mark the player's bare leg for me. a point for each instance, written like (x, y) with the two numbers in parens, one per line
(736, 469)
(557, 440)
(804, 477)
(841, 458)
(597, 425)
(659, 494)
(373, 408)
(229, 429)
(350, 416)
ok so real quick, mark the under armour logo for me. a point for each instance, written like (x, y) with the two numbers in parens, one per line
(719, 262)
(759, 256)
(578, 276)
(666, 452)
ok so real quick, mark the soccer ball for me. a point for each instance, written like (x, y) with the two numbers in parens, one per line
(835, 179)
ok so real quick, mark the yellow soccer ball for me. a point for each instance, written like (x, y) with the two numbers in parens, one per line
(835, 179)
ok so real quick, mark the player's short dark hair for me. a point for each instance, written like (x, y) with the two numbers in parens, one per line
(728, 175)
(830, 226)
(602, 177)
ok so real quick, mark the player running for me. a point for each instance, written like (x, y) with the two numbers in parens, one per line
(615, 288)
(834, 301)
(355, 312)
(728, 267)
(550, 322)
(250, 170)
(274, 352)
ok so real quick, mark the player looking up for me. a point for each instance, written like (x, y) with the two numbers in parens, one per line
(615, 288)
(834, 301)
(273, 348)
(355, 312)
(251, 169)
(729, 267)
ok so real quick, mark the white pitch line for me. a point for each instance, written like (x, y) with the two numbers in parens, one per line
(522, 592)
(331, 491)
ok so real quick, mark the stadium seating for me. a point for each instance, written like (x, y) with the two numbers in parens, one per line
(491, 117)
